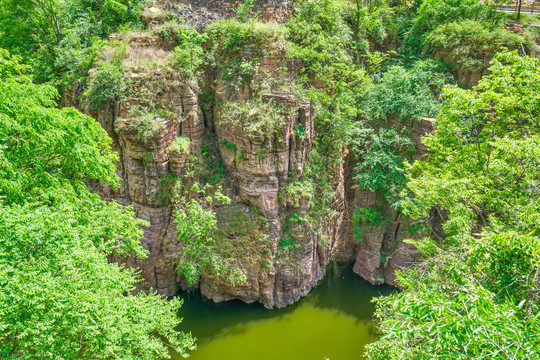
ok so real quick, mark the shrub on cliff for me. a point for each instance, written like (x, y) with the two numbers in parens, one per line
(189, 54)
(467, 45)
(197, 231)
(257, 117)
(404, 94)
(321, 37)
(236, 47)
(107, 85)
(434, 13)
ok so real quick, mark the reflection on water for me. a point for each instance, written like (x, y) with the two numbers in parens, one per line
(333, 322)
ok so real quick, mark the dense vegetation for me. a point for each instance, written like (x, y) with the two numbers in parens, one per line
(475, 295)
(371, 71)
(60, 297)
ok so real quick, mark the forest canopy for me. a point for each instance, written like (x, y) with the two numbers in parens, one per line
(475, 295)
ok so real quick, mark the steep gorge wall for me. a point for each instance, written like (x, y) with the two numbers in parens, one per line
(254, 180)
(381, 250)
(258, 168)
(143, 164)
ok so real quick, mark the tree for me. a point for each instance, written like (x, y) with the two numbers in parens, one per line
(475, 296)
(59, 296)
(26, 23)
(60, 39)
(434, 13)
(382, 140)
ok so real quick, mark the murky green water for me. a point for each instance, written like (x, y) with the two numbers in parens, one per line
(332, 322)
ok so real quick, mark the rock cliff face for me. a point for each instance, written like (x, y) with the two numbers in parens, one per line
(257, 173)
(261, 165)
(145, 161)
(265, 229)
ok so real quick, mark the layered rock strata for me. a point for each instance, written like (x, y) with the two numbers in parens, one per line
(261, 166)
(154, 91)
(254, 179)
(280, 252)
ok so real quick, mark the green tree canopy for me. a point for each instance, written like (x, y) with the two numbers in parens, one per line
(382, 138)
(60, 38)
(476, 294)
(59, 297)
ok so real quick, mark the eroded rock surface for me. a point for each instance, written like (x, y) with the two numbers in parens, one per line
(258, 170)
(261, 166)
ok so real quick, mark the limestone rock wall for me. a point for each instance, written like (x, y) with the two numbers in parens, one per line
(382, 251)
(154, 89)
(259, 180)
(258, 168)
(254, 181)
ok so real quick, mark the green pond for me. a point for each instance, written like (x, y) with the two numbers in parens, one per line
(333, 322)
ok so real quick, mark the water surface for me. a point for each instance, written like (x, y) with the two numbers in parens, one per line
(333, 322)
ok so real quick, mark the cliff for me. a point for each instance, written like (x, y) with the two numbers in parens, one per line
(255, 138)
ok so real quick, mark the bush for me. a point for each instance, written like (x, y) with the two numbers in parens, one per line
(373, 216)
(288, 244)
(59, 37)
(380, 161)
(181, 144)
(434, 13)
(145, 124)
(403, 93)
(298, 190)
(242, 11)
(169, 30)
(320, 35)
(256, 117)
(107, 85)
(197, 230)
(323, 39)
(75, 55)
(383, 140)
(235, 48)
(467, 45)
(107, 15)
(232, 36)
(189, 55)
(228, 145)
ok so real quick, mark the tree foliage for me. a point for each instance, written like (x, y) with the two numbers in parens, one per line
(59, 296)
(476, 294)
(467, 44)
(382, 139)
(434, 13)
(197, 230)
(60, 39)
(321, 37)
